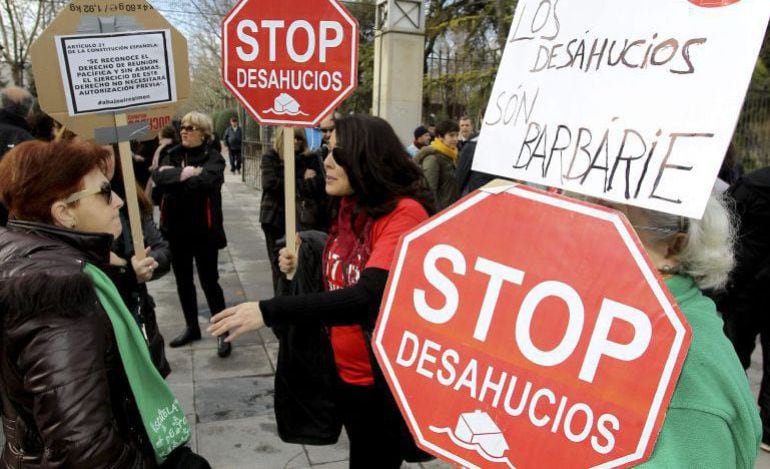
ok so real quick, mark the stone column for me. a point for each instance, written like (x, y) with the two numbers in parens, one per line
(399, 46)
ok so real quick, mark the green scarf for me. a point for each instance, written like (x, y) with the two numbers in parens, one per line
(163, 417)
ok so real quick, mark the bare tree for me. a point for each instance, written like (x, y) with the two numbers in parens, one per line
(21, 22)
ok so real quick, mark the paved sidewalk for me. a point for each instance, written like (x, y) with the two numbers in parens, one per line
(229, 401)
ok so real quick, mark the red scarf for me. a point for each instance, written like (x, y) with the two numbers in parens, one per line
(349, 245)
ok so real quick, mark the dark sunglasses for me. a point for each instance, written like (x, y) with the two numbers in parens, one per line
(337, 154)
(189, 128)
(326, 130)
(105, 190)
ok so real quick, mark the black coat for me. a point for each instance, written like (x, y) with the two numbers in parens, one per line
(467, 179)
(191, 210)
(13, 131)
(135, 295)
(312, 201)
(233, 138)
(271, 208)
(304, 375)
(749, 287)
(66, 399)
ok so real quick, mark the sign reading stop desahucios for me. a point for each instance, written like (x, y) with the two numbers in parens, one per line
(512, 341)
(290, 62)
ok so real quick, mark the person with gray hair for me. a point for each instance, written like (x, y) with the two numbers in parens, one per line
(15, 109)
(190, 178)
(711, 420)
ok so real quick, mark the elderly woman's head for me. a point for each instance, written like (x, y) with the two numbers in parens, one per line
(60, 183)
(702, 249)
(196, 129)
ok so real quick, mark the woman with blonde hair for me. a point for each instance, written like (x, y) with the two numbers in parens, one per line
(190, 178)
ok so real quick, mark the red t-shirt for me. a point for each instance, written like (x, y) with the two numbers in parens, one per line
(351, 354)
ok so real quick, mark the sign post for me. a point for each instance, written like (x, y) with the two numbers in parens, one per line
(510, 341)
(290, 63)
(122, 72)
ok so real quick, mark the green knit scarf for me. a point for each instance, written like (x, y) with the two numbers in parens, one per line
(163, 417)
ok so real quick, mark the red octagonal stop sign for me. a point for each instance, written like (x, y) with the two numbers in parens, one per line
(290, 62)
(524, 329)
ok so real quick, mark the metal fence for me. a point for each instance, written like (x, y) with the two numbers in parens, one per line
(752, 134)
(256, 141)
(453, 86)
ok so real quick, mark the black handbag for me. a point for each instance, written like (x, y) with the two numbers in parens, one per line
(305, 412)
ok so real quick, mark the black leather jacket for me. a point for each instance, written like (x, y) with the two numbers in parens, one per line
(66, 401)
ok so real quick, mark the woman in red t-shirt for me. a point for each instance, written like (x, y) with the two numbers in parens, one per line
(379, 194)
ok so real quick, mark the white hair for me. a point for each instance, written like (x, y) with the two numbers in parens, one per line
(708, 252)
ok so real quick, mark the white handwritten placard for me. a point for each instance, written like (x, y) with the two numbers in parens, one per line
(627, 100)
(115, 71)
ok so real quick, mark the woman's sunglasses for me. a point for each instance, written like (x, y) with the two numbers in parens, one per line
(105, 190)
(189, 128)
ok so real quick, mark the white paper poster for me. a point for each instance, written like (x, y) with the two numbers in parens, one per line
(627, 100)
(114, 71)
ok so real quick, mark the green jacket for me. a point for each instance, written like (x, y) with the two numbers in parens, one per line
(712, 420)
(439, 170)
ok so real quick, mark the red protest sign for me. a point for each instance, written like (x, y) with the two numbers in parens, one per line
(526, 329)
(290, 62)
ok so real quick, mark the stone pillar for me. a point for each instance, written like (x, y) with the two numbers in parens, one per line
(399, 46)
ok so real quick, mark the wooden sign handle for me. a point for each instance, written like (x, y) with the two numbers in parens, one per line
(129, 184)
(289, 193)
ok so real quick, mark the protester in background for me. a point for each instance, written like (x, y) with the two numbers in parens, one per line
(190, 177)
(233, 137)
(421, 140)
(71, 396)
(378, 194)
(142, 154)
(272, 206)
(466, 132)
(310, 186)
(42, 126)
(326, 128)
(712, 420)
(131, 274)
(439, 161)
(15, 108)
(168, 139)
(469, 180)
(744, 305)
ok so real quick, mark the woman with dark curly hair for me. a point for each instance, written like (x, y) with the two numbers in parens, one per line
(378, 193)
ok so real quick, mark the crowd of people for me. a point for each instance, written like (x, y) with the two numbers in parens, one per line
(82, 360)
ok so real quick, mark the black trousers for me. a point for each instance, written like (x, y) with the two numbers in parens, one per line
(273, 234)
(745, 318)
(235, 160)
(373, 438)
(206, 257)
